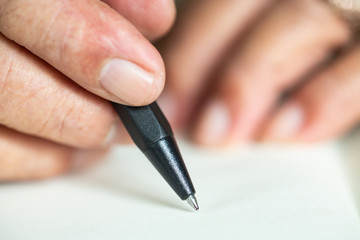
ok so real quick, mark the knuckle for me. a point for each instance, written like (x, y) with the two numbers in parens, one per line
(8, 8)
(6, 73)
(77, 122)
(59, 122)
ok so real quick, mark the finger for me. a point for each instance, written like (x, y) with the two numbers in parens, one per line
(90, 43)
(324, 108)
(201, 35)
(152, 18)
(350, 10)
(25, 157)
(285, 45)
(38, 100)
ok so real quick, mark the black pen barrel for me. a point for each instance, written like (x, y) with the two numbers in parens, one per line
(152, 133)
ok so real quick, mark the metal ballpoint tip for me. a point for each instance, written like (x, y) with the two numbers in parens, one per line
(191, 200)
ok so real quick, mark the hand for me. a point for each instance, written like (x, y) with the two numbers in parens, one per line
(61, 60)
(248, 70)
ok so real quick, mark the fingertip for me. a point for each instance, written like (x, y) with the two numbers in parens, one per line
(170, 106)
(213, 124)
(152, 18)
(160, 25)
(117, 135)
(285, 124)
(130, 83)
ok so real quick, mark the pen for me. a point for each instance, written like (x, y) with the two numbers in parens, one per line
(152, 133)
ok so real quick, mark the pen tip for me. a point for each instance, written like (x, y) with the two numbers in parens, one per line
(191, 200)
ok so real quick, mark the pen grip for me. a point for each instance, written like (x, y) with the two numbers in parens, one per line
(146, 124)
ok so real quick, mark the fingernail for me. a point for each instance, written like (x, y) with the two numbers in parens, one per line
(127, 81)
(286, 124)
(111, 135)
(117, 134)
(168, 105)
(214, 124)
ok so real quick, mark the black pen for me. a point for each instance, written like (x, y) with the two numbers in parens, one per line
(152, 133)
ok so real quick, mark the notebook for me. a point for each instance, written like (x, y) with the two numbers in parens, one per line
(250, 192)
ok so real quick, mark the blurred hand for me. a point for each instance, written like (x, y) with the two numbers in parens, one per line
(246, 70)
(61, 60)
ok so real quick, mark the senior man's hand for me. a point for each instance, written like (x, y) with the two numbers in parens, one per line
(61, 61)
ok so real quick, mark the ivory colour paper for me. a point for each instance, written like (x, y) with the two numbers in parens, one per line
(255, 192)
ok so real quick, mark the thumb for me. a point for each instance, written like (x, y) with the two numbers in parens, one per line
(90, 43)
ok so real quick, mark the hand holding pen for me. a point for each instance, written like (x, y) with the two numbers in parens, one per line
(277, 71)
(84, 45)
(62, 62)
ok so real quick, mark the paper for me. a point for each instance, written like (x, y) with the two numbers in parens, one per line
(259, 192)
